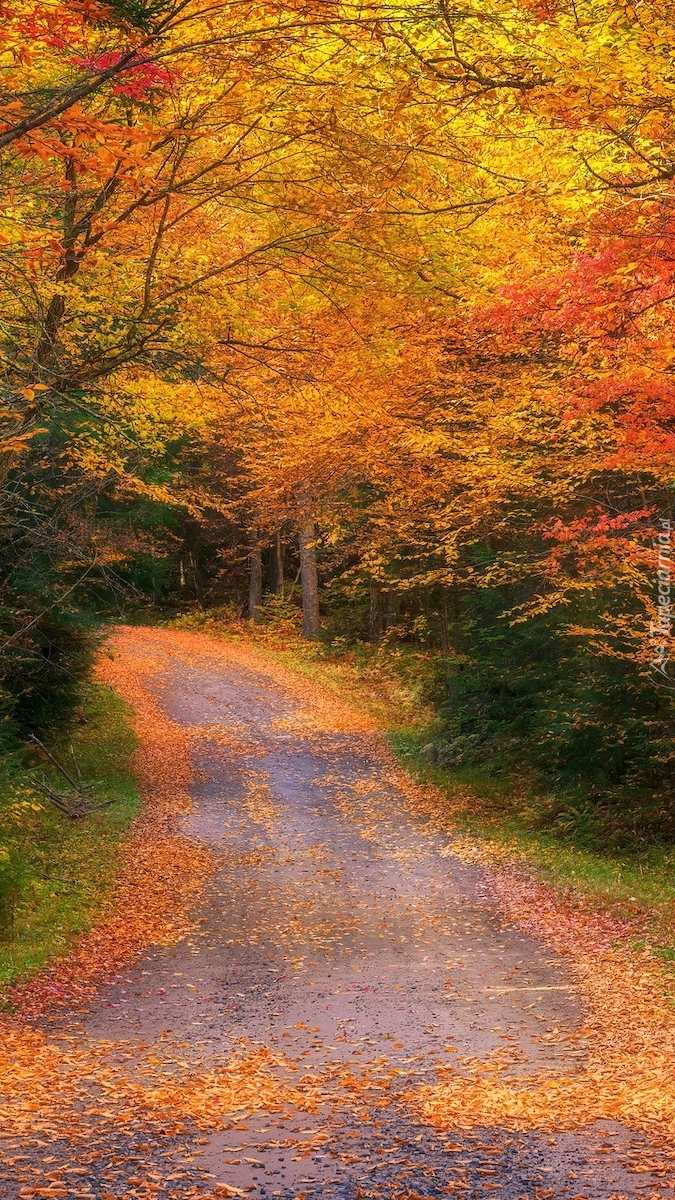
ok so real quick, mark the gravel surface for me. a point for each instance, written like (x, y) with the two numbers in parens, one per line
(340, 932)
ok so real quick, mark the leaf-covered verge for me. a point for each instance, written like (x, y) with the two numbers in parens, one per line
(504, 813)
(56, 874)
(146, 875)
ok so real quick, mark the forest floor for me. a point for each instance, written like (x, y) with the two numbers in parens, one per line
(310, 984)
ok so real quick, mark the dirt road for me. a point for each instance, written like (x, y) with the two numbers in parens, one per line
(342, 952)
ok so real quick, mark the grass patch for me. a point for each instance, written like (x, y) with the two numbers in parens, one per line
(56, 874)
(505, 813)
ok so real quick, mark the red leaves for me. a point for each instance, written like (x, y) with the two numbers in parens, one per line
(141, 76)
(598, 524)
(595, 537)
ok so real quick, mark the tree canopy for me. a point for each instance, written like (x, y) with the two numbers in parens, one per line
(399, 273)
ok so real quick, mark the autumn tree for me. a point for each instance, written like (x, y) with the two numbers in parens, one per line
(392, 279)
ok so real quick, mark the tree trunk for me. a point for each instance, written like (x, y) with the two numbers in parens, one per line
(446, 648)
(375, 615)
(391, 609)
(310, 581)
(196, 580)
(255, 579)
(454, 624)
(445, 637)
(278, 551)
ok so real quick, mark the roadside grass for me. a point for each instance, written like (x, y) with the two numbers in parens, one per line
(505, 815)
(637, 884)
(57, 874)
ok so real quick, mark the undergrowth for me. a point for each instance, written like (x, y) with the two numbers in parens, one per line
(57, 874)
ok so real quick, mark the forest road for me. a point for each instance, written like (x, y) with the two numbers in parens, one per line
(340, 935)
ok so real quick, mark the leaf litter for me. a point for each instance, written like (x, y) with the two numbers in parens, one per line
(55, 1083)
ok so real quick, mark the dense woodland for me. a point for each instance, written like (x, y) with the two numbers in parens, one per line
(368, 306)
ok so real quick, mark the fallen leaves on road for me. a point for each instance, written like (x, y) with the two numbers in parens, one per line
(62, 1085)
(628, 1033)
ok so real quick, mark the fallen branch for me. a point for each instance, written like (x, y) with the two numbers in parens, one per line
(77, 806)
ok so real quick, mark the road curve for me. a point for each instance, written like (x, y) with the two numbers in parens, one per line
(343, 943)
